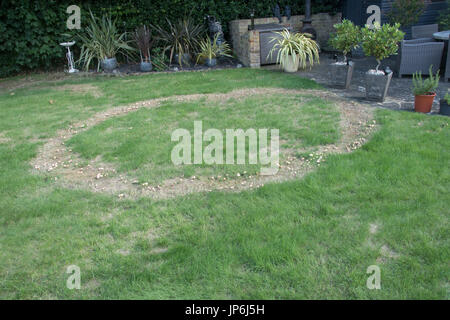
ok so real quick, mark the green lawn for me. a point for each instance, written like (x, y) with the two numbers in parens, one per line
(309, 238)
(140, 142)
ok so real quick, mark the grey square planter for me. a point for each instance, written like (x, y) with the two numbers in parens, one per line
(341, 74)
(444, 108)
(377, 86)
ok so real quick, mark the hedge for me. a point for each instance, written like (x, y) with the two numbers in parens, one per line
(31, 30)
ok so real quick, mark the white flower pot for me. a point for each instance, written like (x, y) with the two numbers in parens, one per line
(291, 64)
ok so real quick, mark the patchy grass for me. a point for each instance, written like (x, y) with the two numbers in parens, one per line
(140, 142)
(311, 238)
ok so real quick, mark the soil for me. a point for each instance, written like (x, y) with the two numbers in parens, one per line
(67, 169)
(82, 88)
(222, 63)
(4, 139)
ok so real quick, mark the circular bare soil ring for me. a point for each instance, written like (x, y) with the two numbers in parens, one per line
(69, 170)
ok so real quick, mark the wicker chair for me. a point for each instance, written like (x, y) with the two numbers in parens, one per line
(418, 55)
(425, 31)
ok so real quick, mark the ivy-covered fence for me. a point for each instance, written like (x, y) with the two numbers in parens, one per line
(31, 30)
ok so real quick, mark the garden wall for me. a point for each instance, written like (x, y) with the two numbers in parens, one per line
(246, 43)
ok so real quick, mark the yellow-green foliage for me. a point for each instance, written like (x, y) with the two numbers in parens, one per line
(295, 46)
(211, 49)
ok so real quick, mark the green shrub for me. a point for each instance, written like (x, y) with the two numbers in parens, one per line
(346, 38)
(381, 41)
(159, 59)
(211, 49)
(422, 87)
(101, 40)
(447, 98)
(406, 12)
(181, 37)
(31, 30)
(444, 18)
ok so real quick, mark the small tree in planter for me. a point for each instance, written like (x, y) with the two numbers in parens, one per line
(380, 42)
(346, 38)
(424, 91)
(445, 105)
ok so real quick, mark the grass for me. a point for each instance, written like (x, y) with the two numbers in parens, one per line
(308, 238)
(140, 142)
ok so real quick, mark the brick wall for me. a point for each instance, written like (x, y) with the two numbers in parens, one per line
(246, 43)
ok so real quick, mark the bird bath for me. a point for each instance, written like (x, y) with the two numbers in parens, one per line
(69, 56)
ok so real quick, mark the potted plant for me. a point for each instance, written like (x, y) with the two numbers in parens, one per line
(424, 91)
(294, 49)
(445, 105)
(346, 38)
(211, 49)
(380, 42)
(102, 41)
(181, 39)
(143, 37)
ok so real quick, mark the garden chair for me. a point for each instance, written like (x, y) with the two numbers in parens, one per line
(425, 31)
(418, 55)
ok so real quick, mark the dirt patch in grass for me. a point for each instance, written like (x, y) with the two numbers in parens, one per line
(82, 88)
(9, 85)
(66, 167)
(386, 253)
(3, 138)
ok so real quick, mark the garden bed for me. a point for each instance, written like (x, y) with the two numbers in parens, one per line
(222, 63)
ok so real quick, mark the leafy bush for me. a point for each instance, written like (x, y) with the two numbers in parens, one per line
(406, 12)
(381, 41)
(31, 30)
(295, 46)
(211, 49)
(101, 40)
(182, 37)
(424, 87)
(159, 59)
(447, 98)
(346, 38)
(444, 18)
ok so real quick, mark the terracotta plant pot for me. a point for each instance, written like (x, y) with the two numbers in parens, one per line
(424, 103)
